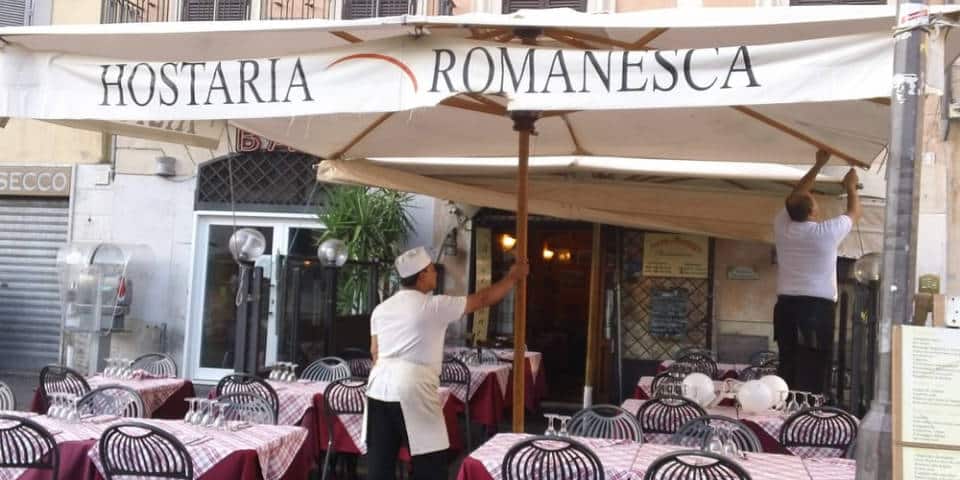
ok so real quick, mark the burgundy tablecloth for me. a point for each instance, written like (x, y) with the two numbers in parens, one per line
(535, 389)
(75, 464)
(486, 404)
(174, 408)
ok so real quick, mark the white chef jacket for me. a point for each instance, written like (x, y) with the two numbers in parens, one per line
(410, 327)
(807, 254)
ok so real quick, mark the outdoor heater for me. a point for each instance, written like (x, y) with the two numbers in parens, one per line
(96, 293)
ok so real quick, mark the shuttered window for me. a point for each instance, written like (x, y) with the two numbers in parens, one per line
(223, 10)
(31, 232)
(510, 6)
(377, 8)
(800, 3)
(13, 13)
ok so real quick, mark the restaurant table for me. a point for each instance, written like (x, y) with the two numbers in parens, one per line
(626, 460)
(163, 398)
(766, 425)
(644, 390)
(724, 370)
(489, 385)
(259, 452)
(534, 381)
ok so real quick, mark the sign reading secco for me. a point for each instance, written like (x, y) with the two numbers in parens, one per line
(35, 181)
(406, 73)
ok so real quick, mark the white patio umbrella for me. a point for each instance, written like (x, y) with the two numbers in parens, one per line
(757, 85)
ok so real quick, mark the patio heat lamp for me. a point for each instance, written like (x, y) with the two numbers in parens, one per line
(247, 245)
(333, 254)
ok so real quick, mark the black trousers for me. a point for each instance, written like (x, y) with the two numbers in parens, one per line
(803, 328)
(386, 433)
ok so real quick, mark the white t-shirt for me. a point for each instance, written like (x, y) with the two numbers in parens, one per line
(411, 326)
(807, 255)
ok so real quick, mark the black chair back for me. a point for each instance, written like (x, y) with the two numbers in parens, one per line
(698, 362)
(701, 465)
(61, 379)
(455, 374)
(666, 383)
(551, 458)
(326, 369)
(698, 432)
(141, 450)
(820, 427)
(360, 361)
(245, 383)
(115, 400)
(346, 396)
(680, 353)
(8, 400)
(27, 444)
(248, 407)
(667, 414)
(157, 364)
(605, 421)
(756, 373)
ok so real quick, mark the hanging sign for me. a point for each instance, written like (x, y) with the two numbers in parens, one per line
(675, 255)
(405, 73)
(484, 275)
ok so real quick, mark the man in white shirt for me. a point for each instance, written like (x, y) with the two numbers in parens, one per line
(803, 319)
(406, 340)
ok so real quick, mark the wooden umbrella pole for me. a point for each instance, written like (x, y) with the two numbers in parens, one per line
(523, 124)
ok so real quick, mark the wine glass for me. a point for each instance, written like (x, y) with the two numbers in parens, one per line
(550, 431)
(128, 370)
(218, 420)
(108, 369)
(715, 444)
(191, 409)
(208, 415)
(805, 403)
(819, 400)
(793, 406)
(564, 420)
(73, 414)
(730, 448)
(53, 410)
(293, 371)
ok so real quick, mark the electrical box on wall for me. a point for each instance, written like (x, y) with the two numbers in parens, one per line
(952, 318)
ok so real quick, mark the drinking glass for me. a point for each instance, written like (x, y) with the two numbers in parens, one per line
(293, 371)
(730, 448)
(819, 400)
(53, 410)
(550, 431)
(287, 373)
(108, 370)
(128, 369)
(191, 409)
(218, 420)
(805, 403)
(715, 445)
(73, 414)
(792, 406)
(208, 415)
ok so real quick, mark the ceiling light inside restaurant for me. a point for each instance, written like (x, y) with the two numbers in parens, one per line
(507, 242)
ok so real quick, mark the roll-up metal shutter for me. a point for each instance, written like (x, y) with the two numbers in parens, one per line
(13, 13)
(31, 231)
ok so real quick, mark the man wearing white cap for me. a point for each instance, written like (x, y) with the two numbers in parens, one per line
(406, 340)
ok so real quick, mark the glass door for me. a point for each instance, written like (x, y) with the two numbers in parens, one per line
(213, 316)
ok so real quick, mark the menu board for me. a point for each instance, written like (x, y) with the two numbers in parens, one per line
(926, 402)
(668, 312)
(675, 255)
(484, 266)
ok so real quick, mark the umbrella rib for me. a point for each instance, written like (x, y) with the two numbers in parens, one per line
(592, 38)
(578, 149)
(665, 181)
(652, 35)
(346, 36)
(457, 102)
(885, 101)
(366, 131)
(569, 41)
(486, 101)
(490, 34)
(799, 135)
(737, 184)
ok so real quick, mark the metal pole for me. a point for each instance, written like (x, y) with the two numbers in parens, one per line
(874, 445)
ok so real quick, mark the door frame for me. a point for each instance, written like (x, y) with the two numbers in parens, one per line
(202, 220)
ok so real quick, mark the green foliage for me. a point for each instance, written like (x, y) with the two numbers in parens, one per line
(374, 223)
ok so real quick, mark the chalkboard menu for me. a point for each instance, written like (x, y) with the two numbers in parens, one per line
(668, 311)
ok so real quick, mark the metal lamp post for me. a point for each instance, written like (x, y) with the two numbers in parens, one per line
(333, 254)
(246, 245)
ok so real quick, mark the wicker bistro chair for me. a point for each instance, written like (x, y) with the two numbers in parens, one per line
(606, 421)
(248, 407)
(116, 400)
(698, 464)
(245, 383)
(697, 433)
(756, 373)
(326, 369)
(761, 358)
(157, 364)
(699, 362)
(26, 444)
(455, 374)
(666, 383)
(360, 361)
(8, 400)
(480, 356)
(346, 396)
(666, 414)
(820, 427)
(683, 352)
(60, 379)
(551, 458)
(140, 450)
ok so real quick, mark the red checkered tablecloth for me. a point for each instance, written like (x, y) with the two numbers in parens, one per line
(62, 432)
(616, 456)
(276, 446)
(624, 460)
(296, 398)
(154, 391)
(645, 385)
(479, 374)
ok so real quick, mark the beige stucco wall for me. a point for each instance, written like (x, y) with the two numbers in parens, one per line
(30, 142)
(744, 307)
(76, 11)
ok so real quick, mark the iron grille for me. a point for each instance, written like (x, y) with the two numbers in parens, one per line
(295, 9)
(262, 181)
(639, 342)
(510, 6)
(134, 11)
(221, 10)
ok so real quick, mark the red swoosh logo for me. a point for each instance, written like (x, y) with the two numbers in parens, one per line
(386, 58)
